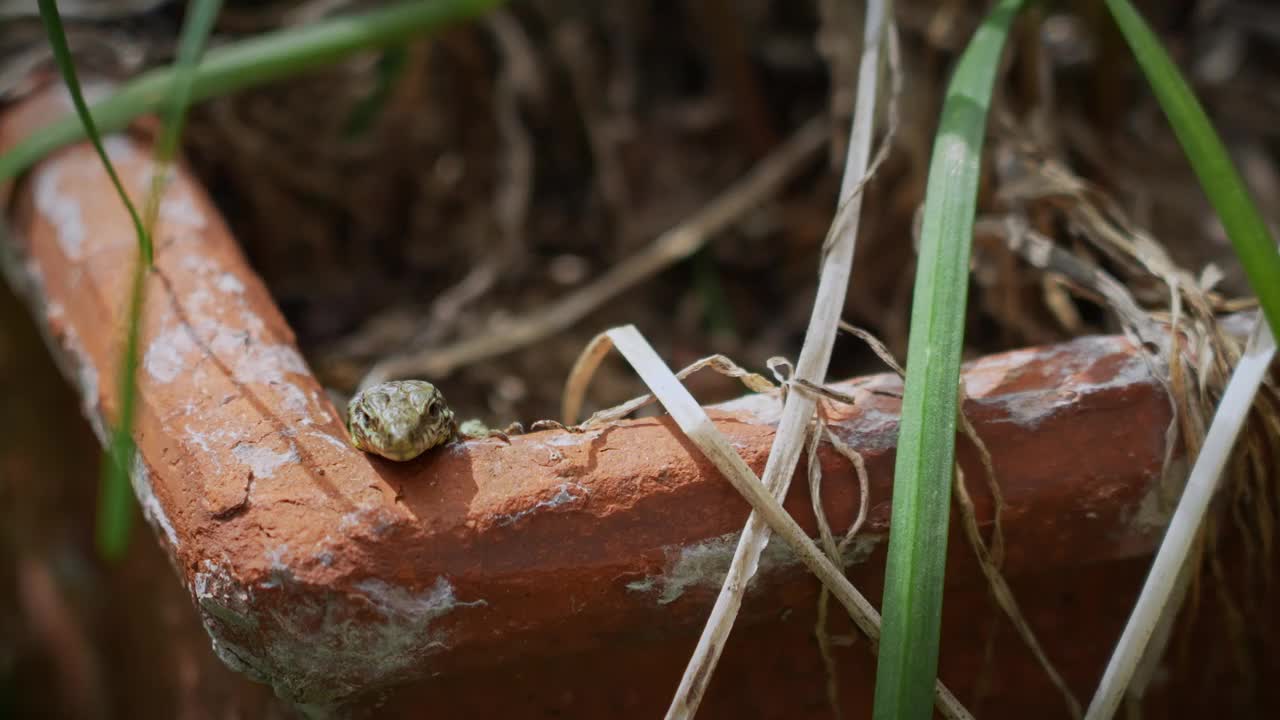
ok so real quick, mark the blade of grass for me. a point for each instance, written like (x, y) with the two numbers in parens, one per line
(815, 355)
(1209, 159)
(1163, 591)
(196, 28)
(84, 121)
(912, 606)
(115, 507)
(115, 504)
(250, 63)
(698, 427)
(115, 511)
(1157, 596)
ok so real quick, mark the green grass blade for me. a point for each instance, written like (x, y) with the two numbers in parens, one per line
(912, 606)
(251, 63)
(115, 506)
(196, 28)
(85, 122)
(115, 509)
(1213, 167)
(257, 61)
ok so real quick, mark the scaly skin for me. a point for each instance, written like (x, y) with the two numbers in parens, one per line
(400, 420)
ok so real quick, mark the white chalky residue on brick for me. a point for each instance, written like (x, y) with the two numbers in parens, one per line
(197, 304)
(229, 284)
(993, 371)
(322, 642)
(255, 362)
(345, 652)
(350, 520)
(1028, 409)
(295, 401)
(179, 208)
(564, 496)
(704, 564)
(199, 264)
(395, 601)
(262, 461)
(152, 510)
(252, 321)
(86, 373)
(333, 441)
(252, 361)
(199, 439)
(62, 211)
(280, 570)
(177, 205)
(571, 439)
(765, 409)
(214, 442)
(371, 519)
(166, 355)
(226, 605)
(872, 430)
(322, 645)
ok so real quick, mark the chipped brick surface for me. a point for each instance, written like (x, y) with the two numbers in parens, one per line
(328, 573)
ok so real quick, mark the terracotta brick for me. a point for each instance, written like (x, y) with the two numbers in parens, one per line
(330, 574)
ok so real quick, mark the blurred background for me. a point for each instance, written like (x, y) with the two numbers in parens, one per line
(415, 197)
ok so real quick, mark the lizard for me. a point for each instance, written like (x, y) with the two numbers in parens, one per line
(402, 419)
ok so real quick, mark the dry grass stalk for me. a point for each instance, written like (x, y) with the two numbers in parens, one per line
(699, 428)
(1159, 595)
(837, 263)
(1205, 369)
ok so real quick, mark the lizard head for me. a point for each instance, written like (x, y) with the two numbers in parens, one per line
(399, 420)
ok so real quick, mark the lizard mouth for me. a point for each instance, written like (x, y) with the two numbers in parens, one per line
(397, 446)
(399, 454)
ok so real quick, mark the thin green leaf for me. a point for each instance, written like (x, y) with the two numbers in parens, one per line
(115, 505)
(1163, 592)
(912, 606)
(250, 63)
(115, 508)
(196, 28)
(85, 123)
(1213, 167)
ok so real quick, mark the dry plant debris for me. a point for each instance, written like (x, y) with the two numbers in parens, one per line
(1087, 253)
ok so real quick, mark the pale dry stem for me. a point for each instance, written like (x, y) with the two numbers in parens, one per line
(835, 268)
(833, 549)
(693, 421)
(1206, 373)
